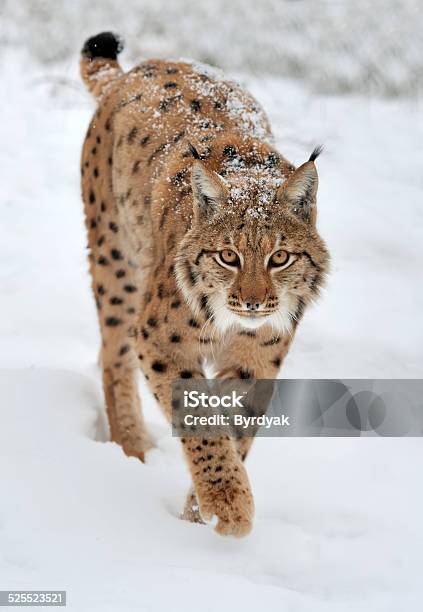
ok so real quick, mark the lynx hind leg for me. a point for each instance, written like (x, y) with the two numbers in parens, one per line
(116, 296)
(119, 359)
(124, 411)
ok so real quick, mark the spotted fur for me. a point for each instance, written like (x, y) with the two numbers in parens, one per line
(178, 165)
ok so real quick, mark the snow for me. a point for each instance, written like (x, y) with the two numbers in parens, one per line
(338, 521)
(333, 46)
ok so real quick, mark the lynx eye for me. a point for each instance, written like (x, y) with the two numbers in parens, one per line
(279, 258)
(229, 257)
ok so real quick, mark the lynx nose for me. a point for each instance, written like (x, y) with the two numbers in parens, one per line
(252, 303)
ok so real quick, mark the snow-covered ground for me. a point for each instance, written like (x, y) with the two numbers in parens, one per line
(338, 524)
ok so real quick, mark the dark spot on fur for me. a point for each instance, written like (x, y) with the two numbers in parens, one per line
(195, 105)
(191, 275)
(204, 305)
(245, 374)
(185, 374)
(165, 103)
(129, 288)
(156, 152)
(120, 273)
(124, 349)
(194, 323)
(272, 341)
(179, 177)
(229, 152)
(247, 332)
(116, 255)
(92, 197)
(113, 227)
(164, 216)
(152, 321)
(136, 167)
(272, 160)
(193, 151)
(132, 135)
(158, 366)
(103, 261)
(299, 311)
(175, 338)
(113, 321)
(116, 301)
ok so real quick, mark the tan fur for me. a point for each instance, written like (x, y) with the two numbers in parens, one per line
(162, 298)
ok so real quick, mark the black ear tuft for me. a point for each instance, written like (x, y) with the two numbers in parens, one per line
(316, 152)
(193, 151)
(106, 44)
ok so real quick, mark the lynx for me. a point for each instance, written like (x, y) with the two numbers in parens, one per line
(203, 250)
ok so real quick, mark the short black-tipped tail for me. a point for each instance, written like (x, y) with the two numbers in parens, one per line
(99, 66)
(106, 44)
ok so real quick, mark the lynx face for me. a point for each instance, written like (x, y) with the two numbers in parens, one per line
(253, 256)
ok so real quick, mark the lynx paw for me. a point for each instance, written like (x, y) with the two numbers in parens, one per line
(233, 506)
(138, 448)
(191, 511)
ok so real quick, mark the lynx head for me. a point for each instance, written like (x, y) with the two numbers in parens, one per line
(253, 256)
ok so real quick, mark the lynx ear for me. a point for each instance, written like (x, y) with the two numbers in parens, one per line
(208, 189)
(299, 192)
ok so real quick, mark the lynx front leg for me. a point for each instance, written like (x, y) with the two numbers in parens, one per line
(221, 484)
(262, 367)
(219, 477)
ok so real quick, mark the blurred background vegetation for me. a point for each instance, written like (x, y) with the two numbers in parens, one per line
(334, 46)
